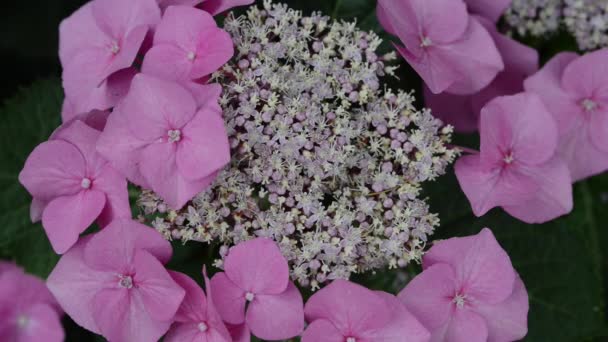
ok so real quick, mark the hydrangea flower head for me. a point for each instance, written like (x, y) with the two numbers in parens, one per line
(447, 47)
(535, 17)
(344, 311)
(463, 112)
(73, 185)
(518, 167)
(587, 20)
(255, 289)
(197, 319)
(159, 136)
(575, 90)
(28, 311)
(114, 283)
(188, 45)
(469, 291)
(101, 38)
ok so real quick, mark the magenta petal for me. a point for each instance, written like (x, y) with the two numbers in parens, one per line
(443, 21)
(229, 298)
(113, 246)
(36, 209)
(586, 76)
(239, 333)
(322, 330)
(402, 324)
(114, 185)
(54, 168)
(65, 217)
(489, 9)
(84, 137)
(436, 71)
(580, 152)
(429, 295)
(257, 266)
(161, 296)
(553, 198)
(466, 326)
(44, 324)
(456, 110)
(276, 316)
(182, 25)
(194, 305)
(184, 332)
(219, 6)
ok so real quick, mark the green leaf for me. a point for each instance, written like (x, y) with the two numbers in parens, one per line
(561, 262)
(27, 120)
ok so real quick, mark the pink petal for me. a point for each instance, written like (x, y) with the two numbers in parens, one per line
(553, 198)
(547, 84)
(436, 71)
(475, 58)
(276, 316)
(160, 295)
(239, 333)
(114, 185)
(487, 188)
(508, 320)
(204, 148)
(506, 83)
(95, 119)
(43, 324)
(598, 129)
(384, 18)
(257, 266)
(585, 77)
(219, 6)
(194, 306)
(443, 21)
(492, 10)
(206, 95)
(54, 168)
(36, 209)
(65, 217)
(184, 332)
(466, 326)
(456, 110)
(214, 49)
(84, 137)
(579, 151)
(117, 18)
(213, 316)
(168, 61)
(229, 298)
(182, 25)
(79, 31)
(115, 245)
(402, 324)
(75, 285)
(155, 106)
(429, 295)
(519, 126)
(121, 148)
(351, 308)
(322, 330)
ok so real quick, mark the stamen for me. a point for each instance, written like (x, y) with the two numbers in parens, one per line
(351, 339)
(115, 48)
(202, 326)
(425, 42)
(191, 55)
(22, 321)
(174, 135)
(85, 183)
(589, 105)
(459, 300)
(508, 158)
(125, 281)
(249, 296)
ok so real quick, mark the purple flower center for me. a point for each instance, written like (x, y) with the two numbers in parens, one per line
(460, 300)
(85, 183)
(589, 105)
(174, 135)
(125, 281)
(202, 327)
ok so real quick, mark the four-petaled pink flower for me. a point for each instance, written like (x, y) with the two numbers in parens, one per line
(73, 185)
(211, 6)
(28, 311)
(197, 319)
(114, 283)
(463, 112)
(99, 39)
(518, 167)
(447, 47)
(469, 291)
(255, 289)
(575, 90)
(164, 139)
(188, 45)
(344, 311)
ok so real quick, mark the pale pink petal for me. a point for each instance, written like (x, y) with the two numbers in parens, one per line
(75, 285)
(490, 9)
(54, 168)
(102, 97)
(214, 49)
(114, 185)
(402, 324)
(429, 296)
(487, 188)
(229, 298)
(579, 151)
(351, 308)
(65, 217)
(79, 31)
(276, 316)
(43, 324)
(443, 21)
(598, 129)
(184, 332)
(206, 95)
(219, 6)
(36, 209)
(114, 246)
(117, 17)
(257, 266)
(456, 110)
(508, 320)
(466, 326)
(154, 106)
(402, 19)
(553, 197)
(161, 296)
(194, 305)
(435, 70)
(586, 76)
(95, 119)
(506, 83)
(84, 137)
(384, 19)
(547, 84)
(168, 61)
(322, 330)
(239, 333)
(68, 110)
(204, 148)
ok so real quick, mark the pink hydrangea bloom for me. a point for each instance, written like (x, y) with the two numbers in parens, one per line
(490, 9)
(447, 47)
(469, 291)
(518, 167)
(211, 6)
(197, 319)
(72, 185)
(114, 283)
(28, 311)
(575, 90)
(255, 289)
(99, 39)
(463, 112)
(344, 311)
(163, 139)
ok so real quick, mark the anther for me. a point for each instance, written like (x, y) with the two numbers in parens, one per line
(85, 183)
